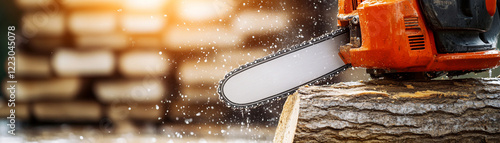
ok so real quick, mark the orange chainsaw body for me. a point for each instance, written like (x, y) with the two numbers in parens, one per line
(396, 37)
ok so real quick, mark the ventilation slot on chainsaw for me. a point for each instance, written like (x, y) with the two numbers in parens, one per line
(416, 42)
(411, 23)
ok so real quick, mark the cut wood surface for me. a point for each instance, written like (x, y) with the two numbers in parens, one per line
(73, 111)
(462, 110)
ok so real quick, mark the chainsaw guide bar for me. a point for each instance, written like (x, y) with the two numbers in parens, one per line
(271, 77)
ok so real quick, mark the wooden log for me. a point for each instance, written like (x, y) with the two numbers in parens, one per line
(198, 11)
(140, 6)
(29, 65)
(145, 90)
(140, 112)
(45, 45)
(73, 63)
(185, 112)
(141, 63)
(199, 93)
(148, 42)
(125, 127)
(210, 69)
(29, 5)
(35, 90)
(95, 4)
(189, 38)
(251, 22)
(42, 24)
(21, 111)
(73, 111)
(113, 41)
(463, 110)
(143, 23)
(92, 23)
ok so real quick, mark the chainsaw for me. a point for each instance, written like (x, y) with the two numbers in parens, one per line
(390, 38)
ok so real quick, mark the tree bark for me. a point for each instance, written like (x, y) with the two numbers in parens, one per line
(465, 110)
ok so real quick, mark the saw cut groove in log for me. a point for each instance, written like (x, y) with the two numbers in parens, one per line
(464, 110)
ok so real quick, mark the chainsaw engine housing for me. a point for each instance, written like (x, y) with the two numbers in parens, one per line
(421, 36)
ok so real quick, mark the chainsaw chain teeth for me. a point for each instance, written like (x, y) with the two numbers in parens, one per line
(273, 55)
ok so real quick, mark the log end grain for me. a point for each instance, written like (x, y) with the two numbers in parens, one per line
(288, 120)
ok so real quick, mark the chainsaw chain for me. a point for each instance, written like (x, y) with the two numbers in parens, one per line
(275, 55)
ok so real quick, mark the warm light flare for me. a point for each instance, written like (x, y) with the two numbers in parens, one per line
(144, 5)
(200, 10)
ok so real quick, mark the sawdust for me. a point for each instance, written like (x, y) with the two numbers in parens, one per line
(356, 92)
(428, 93)
(346, 85)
